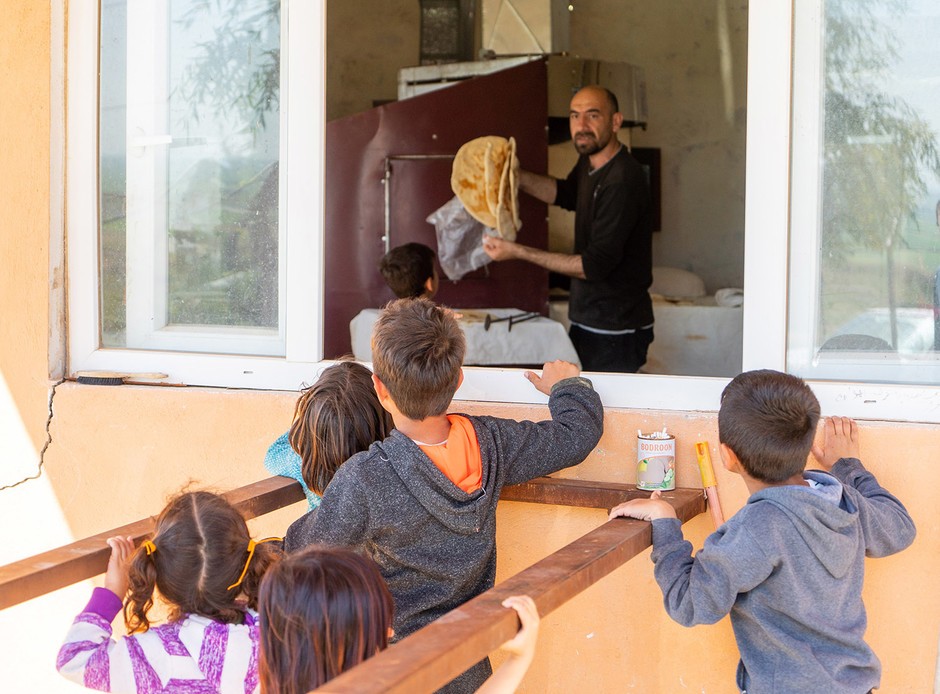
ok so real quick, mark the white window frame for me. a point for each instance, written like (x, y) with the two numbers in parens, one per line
(767, 213)
(302, 128)
(767, 225)
(147, 242)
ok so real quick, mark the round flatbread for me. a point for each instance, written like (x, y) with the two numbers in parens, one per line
(484, 178)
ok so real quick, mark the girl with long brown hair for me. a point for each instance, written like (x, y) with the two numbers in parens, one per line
(326, 609)
(336, 417)
(206, 567)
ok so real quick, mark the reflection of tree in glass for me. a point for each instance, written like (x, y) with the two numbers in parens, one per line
(232, 73)
(879, 151)
(230, 275)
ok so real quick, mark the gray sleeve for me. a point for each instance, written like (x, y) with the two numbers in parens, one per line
(702, 590)
(533, 449)
(886, 525)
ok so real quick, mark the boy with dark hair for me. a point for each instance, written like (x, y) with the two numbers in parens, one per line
(409, 271)
(789, 566)
(422, 503)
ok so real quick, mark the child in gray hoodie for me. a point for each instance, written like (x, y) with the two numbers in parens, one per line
(788, 566)
(422, 503)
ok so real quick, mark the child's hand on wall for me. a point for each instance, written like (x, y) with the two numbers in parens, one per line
(115, 578)
(839, 440)
(644, 509)
(552, 373)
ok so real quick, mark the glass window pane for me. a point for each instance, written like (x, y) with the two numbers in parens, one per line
(870, 312)
(189, 168)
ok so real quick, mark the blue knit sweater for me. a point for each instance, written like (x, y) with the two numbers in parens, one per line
(282, 460)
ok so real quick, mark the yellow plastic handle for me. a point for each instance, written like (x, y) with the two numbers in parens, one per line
(705, 464)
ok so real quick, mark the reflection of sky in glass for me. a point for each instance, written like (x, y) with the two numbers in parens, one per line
(208, 177)
(211, 135)
(878, 246)
(218, 124)
(915, 77)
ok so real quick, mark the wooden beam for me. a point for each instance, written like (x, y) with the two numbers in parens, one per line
(86, 558)
(57, 568)
(582, 493)
(436, 654)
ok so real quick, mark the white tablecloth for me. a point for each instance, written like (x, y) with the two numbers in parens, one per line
(690, 338)
(532, 342)
(696, 338)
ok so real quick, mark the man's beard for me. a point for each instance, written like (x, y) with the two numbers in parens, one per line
(590, 145)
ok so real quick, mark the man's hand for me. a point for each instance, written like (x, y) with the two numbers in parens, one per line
(498, 248)
(552, 373)
(840, 440)
(644, 509)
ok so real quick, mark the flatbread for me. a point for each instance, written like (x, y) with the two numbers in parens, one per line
(514, 183)
(505, 223)
(483, 179)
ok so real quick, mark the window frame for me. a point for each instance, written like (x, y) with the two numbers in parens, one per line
(146, 291)
(302, 202)
(767, 243)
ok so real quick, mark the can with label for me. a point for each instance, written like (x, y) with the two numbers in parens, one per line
(655, 461)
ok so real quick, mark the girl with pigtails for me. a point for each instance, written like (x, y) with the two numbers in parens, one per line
(203, 564)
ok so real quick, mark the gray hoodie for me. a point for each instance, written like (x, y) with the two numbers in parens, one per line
(788, 567)
(435, 543)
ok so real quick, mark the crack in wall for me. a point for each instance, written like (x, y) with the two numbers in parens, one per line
(42, 453)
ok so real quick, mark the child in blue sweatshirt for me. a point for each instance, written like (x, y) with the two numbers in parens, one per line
(789, 566)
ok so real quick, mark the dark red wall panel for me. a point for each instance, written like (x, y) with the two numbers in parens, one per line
(508, 103)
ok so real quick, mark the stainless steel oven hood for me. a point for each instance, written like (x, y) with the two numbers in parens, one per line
(566, 75)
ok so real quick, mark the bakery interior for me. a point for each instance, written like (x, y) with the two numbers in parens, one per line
(680, 71)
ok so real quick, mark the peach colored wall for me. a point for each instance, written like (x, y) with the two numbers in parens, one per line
(24, 199)
(615, 635)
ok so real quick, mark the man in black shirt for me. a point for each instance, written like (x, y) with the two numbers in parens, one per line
(611, 268)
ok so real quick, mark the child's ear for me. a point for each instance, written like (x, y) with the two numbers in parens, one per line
(729, 459)
(459, 380)
(380, 390)
(385, 399)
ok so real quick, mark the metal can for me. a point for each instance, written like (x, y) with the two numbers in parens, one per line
(655, 461)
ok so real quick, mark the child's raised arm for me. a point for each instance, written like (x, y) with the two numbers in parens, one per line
(521, 647)
(840, 440)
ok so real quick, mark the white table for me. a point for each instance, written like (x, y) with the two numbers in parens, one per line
(531, 342)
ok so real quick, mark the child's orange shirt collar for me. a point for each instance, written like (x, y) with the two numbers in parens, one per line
(459, 456)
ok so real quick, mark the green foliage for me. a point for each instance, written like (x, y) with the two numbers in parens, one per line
(879, 152)
(232, 73)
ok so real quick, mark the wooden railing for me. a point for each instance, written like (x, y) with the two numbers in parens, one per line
(445, 648)
(57, 568)
(436, 654)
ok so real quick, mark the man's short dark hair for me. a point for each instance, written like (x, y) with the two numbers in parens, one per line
(407, 268)
(612, 99)
(769, 420)
(417, 351)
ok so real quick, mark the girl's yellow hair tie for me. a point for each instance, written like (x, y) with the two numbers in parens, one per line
(149, 547)
(251, 552)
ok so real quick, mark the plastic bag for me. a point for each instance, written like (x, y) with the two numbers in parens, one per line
(459, 239)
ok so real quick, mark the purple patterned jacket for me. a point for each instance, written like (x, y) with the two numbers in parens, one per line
(194, 655)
